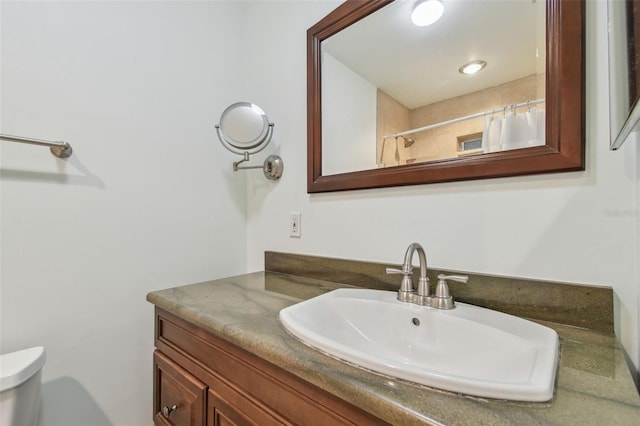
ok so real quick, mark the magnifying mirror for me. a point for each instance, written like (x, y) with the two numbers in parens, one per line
(244, 129)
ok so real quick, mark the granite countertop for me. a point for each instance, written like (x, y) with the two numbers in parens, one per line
(594, 386)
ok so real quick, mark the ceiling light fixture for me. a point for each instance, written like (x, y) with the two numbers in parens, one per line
(472, 67)
(426, 12)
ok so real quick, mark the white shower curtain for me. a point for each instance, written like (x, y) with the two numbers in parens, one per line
(510, 129)
(491, 133)
(536, 122)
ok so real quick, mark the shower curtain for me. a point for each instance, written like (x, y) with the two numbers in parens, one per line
(510, 129)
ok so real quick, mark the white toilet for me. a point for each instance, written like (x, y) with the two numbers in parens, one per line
(20, 383)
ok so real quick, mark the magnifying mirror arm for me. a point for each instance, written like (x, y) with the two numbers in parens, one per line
(272, 166)
(245, 158)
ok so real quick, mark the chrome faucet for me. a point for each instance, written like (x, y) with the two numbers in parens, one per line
(406, 292)
(420, 296)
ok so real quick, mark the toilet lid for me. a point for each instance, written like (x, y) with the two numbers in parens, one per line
(18, 367)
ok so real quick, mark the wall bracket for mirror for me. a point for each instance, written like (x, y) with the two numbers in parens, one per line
(245, 130)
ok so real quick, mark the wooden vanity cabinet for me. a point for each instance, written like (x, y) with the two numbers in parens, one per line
(215, 383)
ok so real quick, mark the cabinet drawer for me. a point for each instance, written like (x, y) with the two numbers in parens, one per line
(180, 398)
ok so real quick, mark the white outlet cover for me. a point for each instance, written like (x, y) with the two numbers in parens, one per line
(295, 225)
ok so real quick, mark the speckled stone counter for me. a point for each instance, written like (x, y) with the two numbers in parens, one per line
(594, 386)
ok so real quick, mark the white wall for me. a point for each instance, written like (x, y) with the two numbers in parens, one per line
(147, 201)
(568, 227)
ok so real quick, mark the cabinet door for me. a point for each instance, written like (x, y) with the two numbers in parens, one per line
(229, 407)
(179, 398)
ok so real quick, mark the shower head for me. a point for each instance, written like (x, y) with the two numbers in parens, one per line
(407, 141)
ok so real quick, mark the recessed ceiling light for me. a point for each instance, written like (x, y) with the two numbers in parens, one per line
(472, 67)
(426, 12)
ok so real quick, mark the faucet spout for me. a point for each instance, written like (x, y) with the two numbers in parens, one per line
(408, 257)
(422, 292)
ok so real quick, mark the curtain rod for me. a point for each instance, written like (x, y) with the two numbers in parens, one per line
(468, 117)
(59, 149)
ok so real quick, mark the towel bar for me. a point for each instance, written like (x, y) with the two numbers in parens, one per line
(59, 149)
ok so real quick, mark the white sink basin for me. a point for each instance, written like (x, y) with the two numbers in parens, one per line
(468, 349)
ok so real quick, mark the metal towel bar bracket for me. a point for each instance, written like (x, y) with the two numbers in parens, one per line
(60, 149)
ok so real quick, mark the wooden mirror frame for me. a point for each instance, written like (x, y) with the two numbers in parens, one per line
(565, 111)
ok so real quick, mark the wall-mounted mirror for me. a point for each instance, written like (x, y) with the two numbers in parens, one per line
(389, 102)
(244, 129)
(624, 69)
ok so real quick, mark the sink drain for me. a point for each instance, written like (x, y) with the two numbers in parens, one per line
(415, 321)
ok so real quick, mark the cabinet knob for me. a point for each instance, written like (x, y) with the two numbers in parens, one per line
(166, 411)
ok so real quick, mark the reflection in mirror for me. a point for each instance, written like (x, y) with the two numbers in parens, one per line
(390, 103)
(404, 86)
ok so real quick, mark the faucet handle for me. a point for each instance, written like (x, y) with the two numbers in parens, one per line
(406, 285)
(459, 278)
(399, 271)
(442, 289)
(442, 298)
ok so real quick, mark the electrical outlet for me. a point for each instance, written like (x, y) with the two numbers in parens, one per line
(294, 225)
